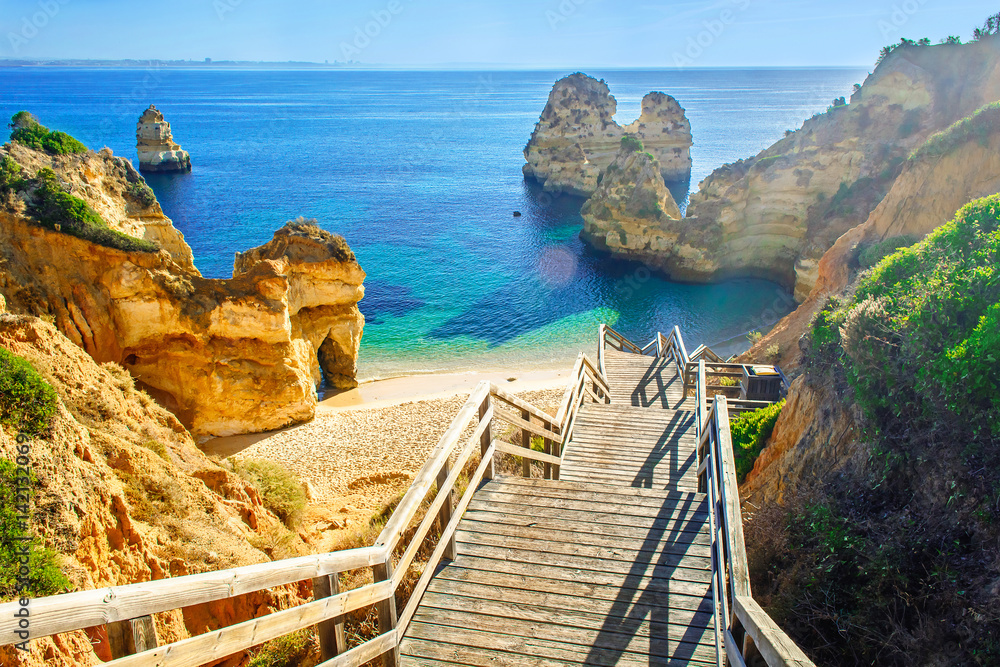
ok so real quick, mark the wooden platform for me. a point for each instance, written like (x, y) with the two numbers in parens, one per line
(610, 565)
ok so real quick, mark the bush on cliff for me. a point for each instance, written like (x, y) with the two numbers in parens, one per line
(870, 255)
(27, 402)
(979, 127)
(11, 176)
(44, 575)
(279, 488)
(750, 432)
(141, 193)
(56, 209)
(26, 130)
(631, 144)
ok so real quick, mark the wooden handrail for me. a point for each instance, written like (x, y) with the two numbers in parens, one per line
(742, 626)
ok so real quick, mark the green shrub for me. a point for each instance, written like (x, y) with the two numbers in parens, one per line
(631, 144)
(141, 193)
(871, 255)
(750, 432)
(977, 127)
(918, 339)
(279, 488)
(766, 162)
(56, 209)
(27, 402)
(11, 175)
(45, 577)
(287, 651)
(26, 130)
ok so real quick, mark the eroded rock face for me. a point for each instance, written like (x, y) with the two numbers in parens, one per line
(576, 137)
(155, 144)
(121, 496)
(775, 214)
(632, 212)
(927, 193)
(226, 356)
(325, 284)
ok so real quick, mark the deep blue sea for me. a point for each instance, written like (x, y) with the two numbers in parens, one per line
(421, 171)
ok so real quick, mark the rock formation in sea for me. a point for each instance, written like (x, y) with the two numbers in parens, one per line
(775, 214)
(123, 495)
(632, 210)
(576, 137)
(155, 144)
(226, 356)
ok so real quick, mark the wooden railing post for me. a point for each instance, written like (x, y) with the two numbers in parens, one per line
(130, 637)
(387, 610)
(331, 633)
(547, 445)
(486, 438)
(444, 516)
(526, 443)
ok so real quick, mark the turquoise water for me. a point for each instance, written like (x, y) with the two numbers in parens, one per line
(421, 172)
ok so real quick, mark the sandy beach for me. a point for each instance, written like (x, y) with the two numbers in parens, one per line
(365, 445)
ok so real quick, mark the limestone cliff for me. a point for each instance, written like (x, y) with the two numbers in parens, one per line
(226, 356)
(775, 214)
(124, 496)
(951, 168)
(576, 137)
(632, 211)
(155, 144)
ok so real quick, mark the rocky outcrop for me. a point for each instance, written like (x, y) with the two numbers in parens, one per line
(325, 284)
(229, 356)
(632, 212)
(951, 169)
(155, 144)
(122, 497)
(775, 214)
(115, 190)
(576, 137)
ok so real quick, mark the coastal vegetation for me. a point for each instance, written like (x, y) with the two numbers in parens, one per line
(750, 432)
(631, 144)
(141, 193)
(28, 131)
(45, 575)
(888, 561)
(27, 402)
(872, 254)
(280, 489)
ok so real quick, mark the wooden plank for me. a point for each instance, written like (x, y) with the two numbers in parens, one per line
(739, 573)
(523, 424)
(667, 519)
(666, 566)
(601, 600)
(526, 454)
(359, 655)
(332, 641)
(425, 478)
(222, 643)
(127, 638)
(584, 532)
(570, 387)
(648, 550)
(673, 623)
(774, 645)
(524, 652)
(475, 568)
(525, 444)
(520, 403)
(635, 499)
(499, 633)
(74, 611)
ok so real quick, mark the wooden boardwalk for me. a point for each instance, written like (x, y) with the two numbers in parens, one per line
(609, 565)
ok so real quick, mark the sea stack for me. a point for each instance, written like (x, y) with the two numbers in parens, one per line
(155, 145)
(576, 137)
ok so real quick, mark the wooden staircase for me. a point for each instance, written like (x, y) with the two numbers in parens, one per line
(629, 550)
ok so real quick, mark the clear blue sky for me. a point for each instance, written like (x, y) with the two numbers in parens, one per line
(521, 33)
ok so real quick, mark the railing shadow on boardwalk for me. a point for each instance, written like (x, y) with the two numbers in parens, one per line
(665, 448)
(635, 602)
(654, 376)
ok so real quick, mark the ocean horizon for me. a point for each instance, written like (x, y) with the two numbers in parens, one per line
(420, 170)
